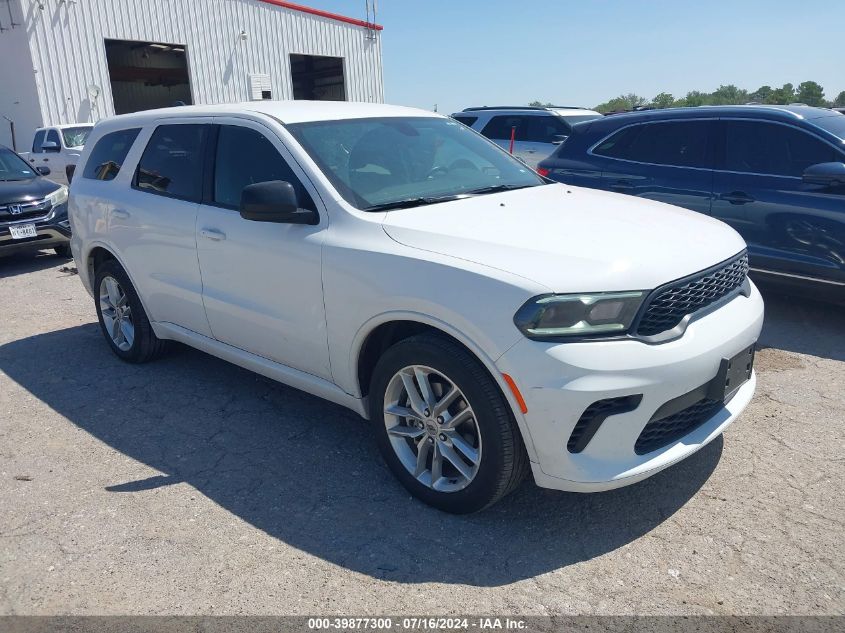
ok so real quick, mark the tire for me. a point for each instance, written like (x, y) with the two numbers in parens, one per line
(63, 250)
(143, 345)
(488, 432)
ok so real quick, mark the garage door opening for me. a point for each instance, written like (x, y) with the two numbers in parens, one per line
(147, 75)
(318, 78)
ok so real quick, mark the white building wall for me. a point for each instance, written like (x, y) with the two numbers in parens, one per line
(66, 43)
(18, 95)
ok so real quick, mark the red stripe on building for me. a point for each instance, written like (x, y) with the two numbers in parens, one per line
(323, 14)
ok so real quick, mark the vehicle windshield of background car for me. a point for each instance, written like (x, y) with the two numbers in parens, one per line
(12, 167)
(382, 162)
(76, 136)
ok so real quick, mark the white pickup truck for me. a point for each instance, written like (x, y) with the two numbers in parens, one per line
(57, 147)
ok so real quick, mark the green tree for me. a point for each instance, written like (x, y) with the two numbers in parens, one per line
(839, 102)
(696, 98)
(783, 95)
(540, 104)
(811, 93)
(622, 102)
(762, 95)
(729, 95)
(663, 100)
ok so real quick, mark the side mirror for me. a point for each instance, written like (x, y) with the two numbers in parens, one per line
(43, 170)
(274, 201)
(557, 139)
(70, 170)
(829, 175)
(50, 146)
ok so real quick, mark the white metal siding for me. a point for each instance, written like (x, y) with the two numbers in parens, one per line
(18, 96)
(68, 52)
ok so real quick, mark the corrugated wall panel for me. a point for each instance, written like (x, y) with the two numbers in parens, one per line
(68, 52)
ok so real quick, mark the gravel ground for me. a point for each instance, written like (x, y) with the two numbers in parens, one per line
(190, 486)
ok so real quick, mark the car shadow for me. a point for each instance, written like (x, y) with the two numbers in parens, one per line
(29, 262)
(307, 472)
(802, 325)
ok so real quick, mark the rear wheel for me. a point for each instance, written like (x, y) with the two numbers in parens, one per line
(122, 317)
(443, 426)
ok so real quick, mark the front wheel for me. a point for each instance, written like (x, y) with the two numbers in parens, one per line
(63, 250)
(443, 426)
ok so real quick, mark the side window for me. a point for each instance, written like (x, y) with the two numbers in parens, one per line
(545, 129)
(769, 148)
(53, 137)
(245, 157)
(172, 162)
(466, 120)
(675, 143)
(108, 154)
(38, 141)
(499, 127)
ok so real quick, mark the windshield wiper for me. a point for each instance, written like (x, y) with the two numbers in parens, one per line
(496, 189)
(412, 202)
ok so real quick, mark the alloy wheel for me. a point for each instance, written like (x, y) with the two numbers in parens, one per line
(117, 313)
(432, 428)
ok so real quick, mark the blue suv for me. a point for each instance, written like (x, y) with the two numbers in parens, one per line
(776, 174)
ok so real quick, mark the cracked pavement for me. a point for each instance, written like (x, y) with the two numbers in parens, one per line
(190, 486)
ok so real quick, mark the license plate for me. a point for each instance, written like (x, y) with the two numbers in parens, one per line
(21, 231)
(735, 372)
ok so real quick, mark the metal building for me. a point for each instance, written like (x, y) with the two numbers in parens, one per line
(75, 61)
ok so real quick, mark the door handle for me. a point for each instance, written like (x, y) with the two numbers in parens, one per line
(736, 197)
(621, 185)
(530, 151)
(119, 214)
(213, 234)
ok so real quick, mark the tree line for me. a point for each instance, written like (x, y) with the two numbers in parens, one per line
(807, 92)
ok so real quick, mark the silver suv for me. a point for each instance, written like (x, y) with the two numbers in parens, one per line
(536, 132)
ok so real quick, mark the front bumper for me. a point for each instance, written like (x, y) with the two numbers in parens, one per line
(51, 231)
(560, 380)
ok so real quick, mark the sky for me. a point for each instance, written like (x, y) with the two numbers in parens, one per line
(584, 52)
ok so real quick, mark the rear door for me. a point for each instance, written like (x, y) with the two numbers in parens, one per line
(791, 228)
(545, 132)
(153, 225)
(667, 161)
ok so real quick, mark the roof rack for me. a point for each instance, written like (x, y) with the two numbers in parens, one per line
(554, 107)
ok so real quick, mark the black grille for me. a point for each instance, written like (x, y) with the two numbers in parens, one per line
(660, 433)
(28, 210)
(595, 415)
(669, 305)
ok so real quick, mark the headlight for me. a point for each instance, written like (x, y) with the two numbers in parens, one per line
(561, 316)
(58, 197)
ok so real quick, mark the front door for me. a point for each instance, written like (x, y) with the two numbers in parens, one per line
(790, 227)
(262, 281)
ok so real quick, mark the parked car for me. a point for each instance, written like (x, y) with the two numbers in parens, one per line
(774, 173)
(33, 209)
(536, 131)
(58, 147)
(393, 261)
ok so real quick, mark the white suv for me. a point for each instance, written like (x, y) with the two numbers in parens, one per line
(532, 133)
(395, 262)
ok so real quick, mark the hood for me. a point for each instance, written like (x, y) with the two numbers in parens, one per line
(26, 190)
(570, 239)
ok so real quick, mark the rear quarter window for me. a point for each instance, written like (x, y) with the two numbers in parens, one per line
(108, 154)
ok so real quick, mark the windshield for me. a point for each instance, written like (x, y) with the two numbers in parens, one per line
(12, 167)
(76, 136)
(380, 162)
(835, 124)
